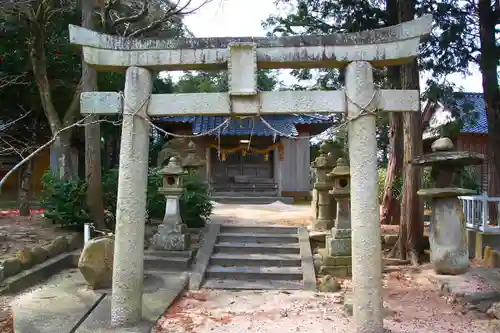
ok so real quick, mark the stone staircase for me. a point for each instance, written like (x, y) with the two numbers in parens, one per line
(249, 257)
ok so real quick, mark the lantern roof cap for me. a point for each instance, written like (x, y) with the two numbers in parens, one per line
(173, 168)
(192, 160)
(341, 169)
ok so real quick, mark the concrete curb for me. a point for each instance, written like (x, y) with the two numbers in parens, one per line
(39, 273)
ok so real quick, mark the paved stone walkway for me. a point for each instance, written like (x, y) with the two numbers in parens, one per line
(59, 303)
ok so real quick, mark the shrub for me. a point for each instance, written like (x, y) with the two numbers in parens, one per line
(64, 201)
(195, 203)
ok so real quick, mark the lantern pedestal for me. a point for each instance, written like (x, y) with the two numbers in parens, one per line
(337, 259)
(172, 234)
(322, 165)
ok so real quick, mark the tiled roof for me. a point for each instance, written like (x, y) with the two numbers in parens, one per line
(249, 126)
(474, 119)
(480, 124)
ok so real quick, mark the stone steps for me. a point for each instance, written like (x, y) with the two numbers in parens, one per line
(258, 229)
(254, 285)
(253, 258)
(167, 260)
(248, 248)
(254, 273)
(259, 238)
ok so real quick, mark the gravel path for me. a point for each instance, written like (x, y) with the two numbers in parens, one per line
(276, 213)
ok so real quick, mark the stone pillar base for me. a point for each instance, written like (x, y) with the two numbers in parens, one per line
(339, 243)
(338, 266)
(171, 238)
(323, 224)
(448, 237)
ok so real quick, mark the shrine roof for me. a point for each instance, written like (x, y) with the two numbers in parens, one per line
(285, 125)
(470, 107)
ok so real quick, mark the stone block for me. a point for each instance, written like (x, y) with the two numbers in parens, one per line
(343, 261)
(26, 258)
(39, 254)
(492, 259)
(328, 284)
(487, 254)
(171, 241)
(337, 261)
(57, 246)
(96, 262)
(11, 266)
(338, 247)
(337, 271)
(390, 240)
(170, 228)
(75, 242)
(341, 233)
(479, 246)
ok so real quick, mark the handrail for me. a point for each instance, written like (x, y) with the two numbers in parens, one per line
(476, 210)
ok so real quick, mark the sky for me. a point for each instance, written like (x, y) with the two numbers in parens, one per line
(226, 18)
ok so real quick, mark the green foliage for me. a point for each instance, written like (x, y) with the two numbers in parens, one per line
(195, 204)
(382, 174)
(64, 201)
(468, 178)
(397, 186)
(194, 82)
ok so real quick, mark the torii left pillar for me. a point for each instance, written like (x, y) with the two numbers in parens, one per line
(128, 261)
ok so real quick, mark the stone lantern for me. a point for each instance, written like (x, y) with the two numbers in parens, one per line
(323, 166)
(192, 162)
(337, 260)
(447, 230)
(172, 233)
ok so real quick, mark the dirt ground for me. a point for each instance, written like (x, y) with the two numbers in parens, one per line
(17, 232)
(413, 301)
(414, 305)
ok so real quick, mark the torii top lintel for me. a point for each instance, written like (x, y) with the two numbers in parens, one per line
(382, 47)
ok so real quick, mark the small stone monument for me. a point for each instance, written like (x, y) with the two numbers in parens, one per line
(337, 260)
(192, 162)
(172, 234)
(447, 233)
(323, 166)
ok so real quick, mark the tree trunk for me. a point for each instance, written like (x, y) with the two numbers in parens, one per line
(92, 135)
(390, 212)
(24, 187)
(62, 144)
(412, 222)
(488, 65)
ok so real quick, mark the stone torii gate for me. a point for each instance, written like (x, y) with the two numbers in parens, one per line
(242, 57)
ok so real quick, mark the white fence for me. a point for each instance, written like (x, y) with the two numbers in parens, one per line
(476, 209)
